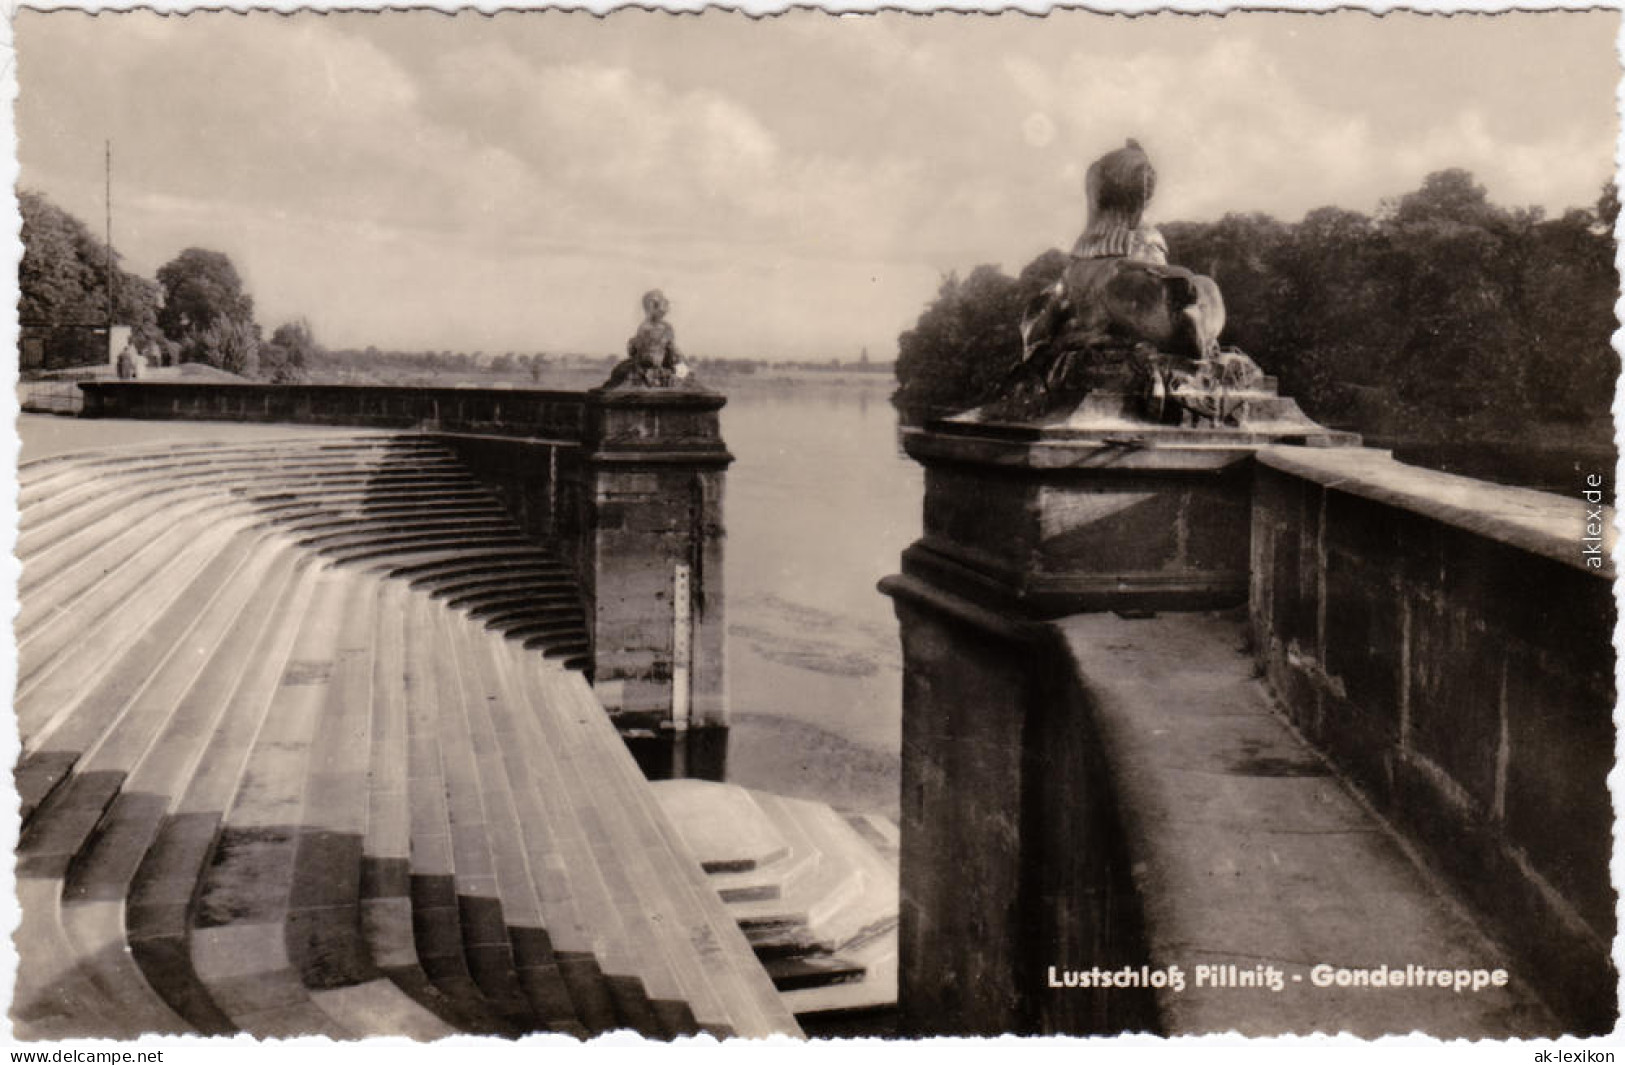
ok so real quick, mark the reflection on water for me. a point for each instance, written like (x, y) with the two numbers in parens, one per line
(820, 504)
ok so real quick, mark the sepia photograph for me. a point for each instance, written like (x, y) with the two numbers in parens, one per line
(813, 526)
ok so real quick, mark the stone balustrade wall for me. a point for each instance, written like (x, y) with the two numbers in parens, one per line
(508, 412)
(1448, 645)
(625, 486)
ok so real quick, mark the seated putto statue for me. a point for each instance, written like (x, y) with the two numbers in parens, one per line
(652, 359)
(1121, 318)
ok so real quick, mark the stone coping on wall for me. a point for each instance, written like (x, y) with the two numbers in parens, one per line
(694, 398)
(338, 387)
(1541, 523)
(679, 420)
(1252, 857)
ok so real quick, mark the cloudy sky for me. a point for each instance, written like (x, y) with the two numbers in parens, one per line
(797, 185)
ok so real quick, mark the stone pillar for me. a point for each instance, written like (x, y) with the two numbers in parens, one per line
(654, 468)
(1011, 854)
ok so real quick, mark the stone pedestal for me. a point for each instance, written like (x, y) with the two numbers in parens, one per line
(1094, 510)
(654, 465)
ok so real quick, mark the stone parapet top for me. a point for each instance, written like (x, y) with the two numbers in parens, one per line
(612, 419)
(1541, 523)
(696, 397)
(1101, 454)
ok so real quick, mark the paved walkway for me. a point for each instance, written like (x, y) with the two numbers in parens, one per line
(1252, 857)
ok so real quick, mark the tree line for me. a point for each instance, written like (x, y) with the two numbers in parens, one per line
(196, 309)
(1444, 315)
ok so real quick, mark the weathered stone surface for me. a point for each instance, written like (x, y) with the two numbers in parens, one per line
(1251, 851)
(1066, 522)
(655, 473)
(721, 824)
(1445, 642)
(964, 834)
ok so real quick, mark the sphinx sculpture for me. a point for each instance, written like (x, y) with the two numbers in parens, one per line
(1120, 318)
(652, 359)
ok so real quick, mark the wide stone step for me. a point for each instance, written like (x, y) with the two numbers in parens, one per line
(55, 477)
(386, 860)
(816, 898)
(561, 648)
(258, 478)
(534, 596)
(381, 554)
(57, 549)
(334, 532)
(430, 568)
(56, 616)
(593, 852)
(57, 840)
(176, 465)
(569, 888)
(157, 914)
(703, 919)
(363, 544)
(645, 886)
(102, 876)
(304, 447)
(443, 870)
(68, 707)
(562, 621)
(876, 991)
(487, 595)
(805, 971)
(328, 513)
(74, 533)
(324, 929)
(239, 921)
(485, 701)
(487, 909)
(291, 505)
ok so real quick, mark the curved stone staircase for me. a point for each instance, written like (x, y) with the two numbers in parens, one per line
(304, 751)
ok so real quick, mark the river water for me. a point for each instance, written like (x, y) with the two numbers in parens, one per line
(820, 505)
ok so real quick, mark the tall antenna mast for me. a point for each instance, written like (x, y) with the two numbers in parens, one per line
(109, 256)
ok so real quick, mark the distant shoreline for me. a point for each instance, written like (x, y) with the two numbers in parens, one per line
(580, 378)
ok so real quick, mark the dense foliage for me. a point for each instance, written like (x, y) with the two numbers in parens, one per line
(196, 311)
(207, 314)
(288, 356)
(968, 341)
(1444, 313)
(64, 274)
